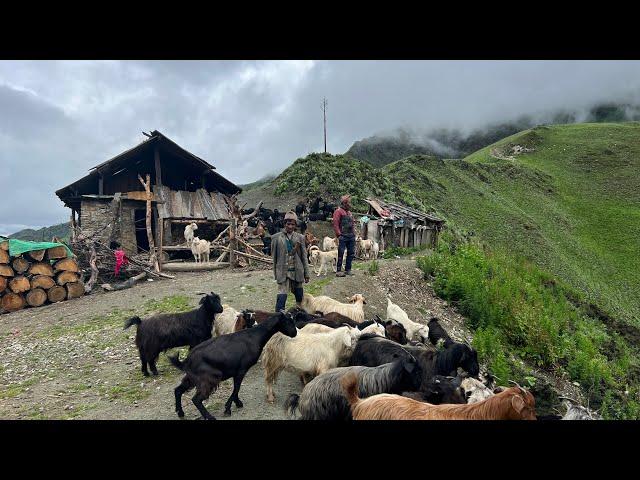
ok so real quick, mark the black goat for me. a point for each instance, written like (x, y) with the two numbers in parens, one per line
(436, 332)
(163, 331)
(224, 357)
(372, 350)
(440, 389)
(323, 397)
(315, 217)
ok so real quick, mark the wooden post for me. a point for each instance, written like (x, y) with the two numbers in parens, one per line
(160, 255)
(153, 260)
(233, 242)
(100, 184)
(156, 157)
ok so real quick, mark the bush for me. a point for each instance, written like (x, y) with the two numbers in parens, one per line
(373, 267)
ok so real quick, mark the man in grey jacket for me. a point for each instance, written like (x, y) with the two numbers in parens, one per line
(290, 264)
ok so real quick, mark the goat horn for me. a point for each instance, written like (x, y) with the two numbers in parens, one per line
(517, 385)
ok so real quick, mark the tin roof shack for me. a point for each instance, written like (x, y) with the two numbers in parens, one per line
(394, 225)
(110, 202)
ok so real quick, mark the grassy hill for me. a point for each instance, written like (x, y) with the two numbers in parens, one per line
(46, 233)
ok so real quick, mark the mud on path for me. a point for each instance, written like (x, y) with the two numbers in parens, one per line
(74, 360)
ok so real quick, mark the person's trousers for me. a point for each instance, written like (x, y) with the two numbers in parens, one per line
(284, 288)
(348, 242)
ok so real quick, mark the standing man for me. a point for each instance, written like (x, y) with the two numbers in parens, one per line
(343, 227)
(290, 264)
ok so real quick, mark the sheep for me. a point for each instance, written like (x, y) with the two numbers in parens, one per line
(372, 351)
(163, 331)
(200, 248)
(475, 390)
(437, 333)
(375, 250)
(329, 243)
(231, 320)
(512, 404)
(324, 304)
(188, 232)
(439, 390)
(309, 354)
(323, 397)
(224, 357)
(324, 258)
(415, 330)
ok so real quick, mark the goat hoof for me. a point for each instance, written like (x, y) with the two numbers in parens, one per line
(146, 374)
(239, 404)
(227, 413)
(180, 413)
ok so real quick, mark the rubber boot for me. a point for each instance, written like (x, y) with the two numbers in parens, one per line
(281, 301)
(298, 293)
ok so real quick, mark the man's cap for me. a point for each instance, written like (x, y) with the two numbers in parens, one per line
(291, 215)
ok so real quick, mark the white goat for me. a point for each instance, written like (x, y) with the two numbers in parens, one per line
(374, 328)
(225, 322)
(324, 304)
(200, 249)
(329, 243)
(323, 258)
(475, 390)
(188, 232)
(308, 354)
(365, 248)
(375, 249)
(414, 330)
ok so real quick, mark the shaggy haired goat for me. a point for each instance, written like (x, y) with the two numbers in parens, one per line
(512, 404)
(329, 244)
(439, 390)
(189, 232)
(224, 357)
(475, 390)
(437, 333)
(169, 330)
(325, 305)
(309, 354)
(323, 397)
(415, 330)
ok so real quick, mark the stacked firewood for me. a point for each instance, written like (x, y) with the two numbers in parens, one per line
(37, 277)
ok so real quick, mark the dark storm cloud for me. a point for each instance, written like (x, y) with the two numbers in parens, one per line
(58, 119)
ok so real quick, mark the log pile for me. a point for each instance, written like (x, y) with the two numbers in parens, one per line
(38, 277)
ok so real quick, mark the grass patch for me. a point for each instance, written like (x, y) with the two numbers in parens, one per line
(392, 252)
(373, 267)
(16, 389)
(519, 312)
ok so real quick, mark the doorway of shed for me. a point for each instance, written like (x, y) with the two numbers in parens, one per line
(140, 220)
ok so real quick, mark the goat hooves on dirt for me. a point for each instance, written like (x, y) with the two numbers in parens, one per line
(227, 413)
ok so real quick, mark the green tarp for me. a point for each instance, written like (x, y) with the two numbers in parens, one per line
(18, 247)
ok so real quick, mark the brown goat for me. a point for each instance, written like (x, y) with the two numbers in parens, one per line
(511, 404)
(257, 316)
(243, 322)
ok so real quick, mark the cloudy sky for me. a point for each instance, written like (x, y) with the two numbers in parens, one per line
(248, 118)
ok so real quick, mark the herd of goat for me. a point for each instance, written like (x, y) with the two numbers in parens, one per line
(351, 368)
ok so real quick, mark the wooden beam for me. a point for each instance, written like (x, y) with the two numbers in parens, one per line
(156, 157)
(153, 260)
(100, 185)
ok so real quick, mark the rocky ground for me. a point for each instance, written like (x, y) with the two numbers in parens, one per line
(74, 360)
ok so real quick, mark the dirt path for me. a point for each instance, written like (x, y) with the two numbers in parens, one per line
(73, 360)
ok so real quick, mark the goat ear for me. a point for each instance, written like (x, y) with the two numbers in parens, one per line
(409, 367)
(517, 403)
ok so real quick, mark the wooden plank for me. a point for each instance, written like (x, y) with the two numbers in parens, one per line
(156, 159)
(194, 267)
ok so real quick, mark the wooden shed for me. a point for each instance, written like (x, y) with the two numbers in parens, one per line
(111, 199)
(392, 224)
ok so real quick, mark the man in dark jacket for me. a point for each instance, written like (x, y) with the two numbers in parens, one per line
(290, 264)
(344, 229)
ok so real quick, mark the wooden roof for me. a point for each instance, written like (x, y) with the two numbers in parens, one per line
(193, 205)
(395, 211)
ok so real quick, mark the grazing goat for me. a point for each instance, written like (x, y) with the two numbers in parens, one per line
(512, 404)
(323, 397)
(437, 333)
(169, 330)
(231, 320)
(415, 330)
(439, 390)
(475, 390)
(578, 412)
(372, 351)
(189, 232)
(200, 249)
(224, 357)
(329, 243)
(324, 258)
(325, 305)
(309, 354)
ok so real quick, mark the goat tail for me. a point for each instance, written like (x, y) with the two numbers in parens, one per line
(132, 321)
(175, 361)
(291, 404)
(350, 385)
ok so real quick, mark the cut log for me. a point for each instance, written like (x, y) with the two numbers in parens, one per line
(3, 284)
(66, 264)
(6, 271)
(74, 289)
(37, 255)
(19, 284)
(56, 252)
(20, 265)
(42, 281)
(4, 245)
(4, 256)
(63, 278)
(193, 266)
(41, 268)
(36, 297)
(56, 294)
(12, 302)
(94, 271)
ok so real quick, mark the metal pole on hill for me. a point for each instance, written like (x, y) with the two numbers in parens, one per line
(324, 112)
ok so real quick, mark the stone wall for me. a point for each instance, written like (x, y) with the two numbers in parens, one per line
(96, 214)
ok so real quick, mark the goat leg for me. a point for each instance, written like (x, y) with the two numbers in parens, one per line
(152, 366)
(197, 401)
(237, 381)
(185, 385)
(143, 361)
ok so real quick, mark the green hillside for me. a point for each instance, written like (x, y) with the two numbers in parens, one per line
(46, 233)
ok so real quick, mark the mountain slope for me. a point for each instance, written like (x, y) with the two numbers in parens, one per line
(60, 230)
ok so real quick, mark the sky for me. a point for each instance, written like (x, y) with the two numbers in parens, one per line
(252, 118)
